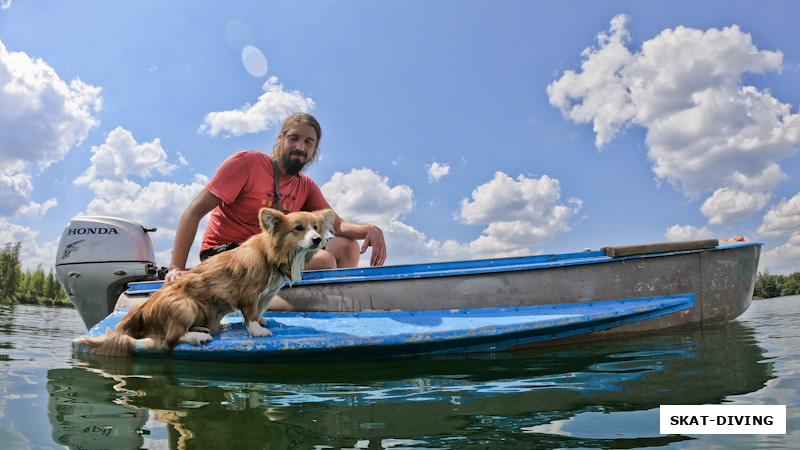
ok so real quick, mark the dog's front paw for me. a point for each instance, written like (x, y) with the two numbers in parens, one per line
(256, 330)
(196, 338)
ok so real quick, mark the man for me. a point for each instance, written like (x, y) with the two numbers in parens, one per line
(245, 182)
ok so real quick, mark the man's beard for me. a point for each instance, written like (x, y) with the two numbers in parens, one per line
(292, 167)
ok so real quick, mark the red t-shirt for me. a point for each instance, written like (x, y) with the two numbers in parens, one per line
(245, 182)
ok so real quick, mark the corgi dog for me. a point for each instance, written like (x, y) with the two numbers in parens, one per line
(247, 278)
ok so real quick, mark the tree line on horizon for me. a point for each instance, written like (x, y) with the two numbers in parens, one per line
(768, 285)
(27, 287)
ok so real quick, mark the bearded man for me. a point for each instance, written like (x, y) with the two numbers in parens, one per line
(249, 180)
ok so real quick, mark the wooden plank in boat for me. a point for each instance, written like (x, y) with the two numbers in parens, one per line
(645, 249)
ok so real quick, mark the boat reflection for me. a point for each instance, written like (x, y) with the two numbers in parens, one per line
(529, 397)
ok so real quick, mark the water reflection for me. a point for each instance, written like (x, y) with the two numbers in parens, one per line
(536, 399)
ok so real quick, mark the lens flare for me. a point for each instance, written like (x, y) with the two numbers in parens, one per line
(254, 61)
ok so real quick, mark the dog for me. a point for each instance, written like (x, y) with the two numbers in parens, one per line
(247, 278)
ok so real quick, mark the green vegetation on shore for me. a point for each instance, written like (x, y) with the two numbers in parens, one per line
(27, 287)
(768, 286)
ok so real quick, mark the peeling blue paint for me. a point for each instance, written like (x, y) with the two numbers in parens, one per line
(310, 335)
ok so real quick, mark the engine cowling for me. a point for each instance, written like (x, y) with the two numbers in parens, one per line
(97, 257)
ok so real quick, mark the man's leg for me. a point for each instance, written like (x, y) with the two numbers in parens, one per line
(339, 253)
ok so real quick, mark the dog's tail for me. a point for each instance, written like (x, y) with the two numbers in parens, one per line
(118, 342)
(109, 344)
(133, 322)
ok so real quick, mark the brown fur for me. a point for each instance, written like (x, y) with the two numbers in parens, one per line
(246, 278)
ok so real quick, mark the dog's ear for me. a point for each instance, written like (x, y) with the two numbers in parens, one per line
(270, 219)
(327, 216)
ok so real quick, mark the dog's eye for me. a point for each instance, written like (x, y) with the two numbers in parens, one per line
(299, 228)
(316, 227)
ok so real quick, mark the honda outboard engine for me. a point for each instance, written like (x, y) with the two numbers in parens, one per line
(97, 258)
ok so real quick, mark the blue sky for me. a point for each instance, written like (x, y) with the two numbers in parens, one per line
(464, 129)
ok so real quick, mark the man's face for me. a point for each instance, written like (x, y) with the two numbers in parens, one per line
(298, 145)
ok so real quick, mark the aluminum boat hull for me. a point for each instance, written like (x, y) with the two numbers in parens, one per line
(721, 277)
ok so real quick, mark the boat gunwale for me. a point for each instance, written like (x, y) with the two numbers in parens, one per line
(460, 268)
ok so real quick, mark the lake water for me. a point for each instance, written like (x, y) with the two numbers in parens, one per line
(600, 395)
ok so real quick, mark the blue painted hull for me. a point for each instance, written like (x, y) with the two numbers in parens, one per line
(344, 335)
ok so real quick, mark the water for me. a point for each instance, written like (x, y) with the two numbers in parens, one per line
(603, 395)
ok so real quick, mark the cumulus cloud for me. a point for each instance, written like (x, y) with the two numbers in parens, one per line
(154, 204)
(437, 171)
(706, 132)
(783, 259)
(14, 192)
(31, 254)
(519, 214)
(271, 109)
(687, 233)
(782, 219)
(158, 204)
(365, 196)
(34, 209)
(119, 157)
(729, 204)
(41, 118)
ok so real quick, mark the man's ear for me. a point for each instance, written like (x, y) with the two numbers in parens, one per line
(270, 219)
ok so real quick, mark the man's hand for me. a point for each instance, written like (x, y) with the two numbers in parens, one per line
(375, 240)
(173, 274)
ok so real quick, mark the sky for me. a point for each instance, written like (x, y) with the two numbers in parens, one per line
(464, 129)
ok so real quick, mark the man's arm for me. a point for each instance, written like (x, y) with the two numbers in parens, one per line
(187, 229)
(371, 234)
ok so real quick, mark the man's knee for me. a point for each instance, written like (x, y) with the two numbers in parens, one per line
(345, 250)
(322, 260)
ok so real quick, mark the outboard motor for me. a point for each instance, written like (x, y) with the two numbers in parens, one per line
(97, 258)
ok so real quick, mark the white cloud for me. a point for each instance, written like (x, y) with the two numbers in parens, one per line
(705, 130)
(271, 109)
(155, 204)
(41, 116)
(121, 156)
(159, 204)
(784, 259)
(519, 214)
(38, 209)
(14, 193)
(729, 204)
(31, 255)
(11, 233)
(437, 171)
(782, 219)
(364, 196)
(603, 93)
(687, 233)
(41, 119)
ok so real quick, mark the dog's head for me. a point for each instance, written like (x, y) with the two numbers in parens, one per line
(303, 231)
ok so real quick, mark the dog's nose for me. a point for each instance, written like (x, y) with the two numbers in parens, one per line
(317, 240)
